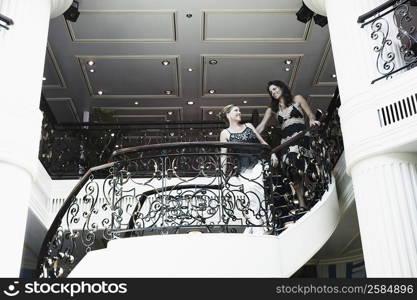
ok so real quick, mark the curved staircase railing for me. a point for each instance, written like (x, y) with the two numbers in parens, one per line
(183, 187)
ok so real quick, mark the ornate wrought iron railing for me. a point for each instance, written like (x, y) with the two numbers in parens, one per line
(182, 187)
(393, 28)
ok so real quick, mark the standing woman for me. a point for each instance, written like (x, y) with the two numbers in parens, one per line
(290, 112)
(250, 172)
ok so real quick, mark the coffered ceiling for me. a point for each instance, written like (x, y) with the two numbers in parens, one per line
(146, 60)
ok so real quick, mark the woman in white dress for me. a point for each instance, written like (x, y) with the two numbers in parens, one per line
(250, 173)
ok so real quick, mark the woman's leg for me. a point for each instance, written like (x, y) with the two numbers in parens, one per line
(299, 190)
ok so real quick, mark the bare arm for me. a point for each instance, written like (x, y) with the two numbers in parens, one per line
(306, 108)
(260, 138)
(274, 158)
(224, 137)
(261, 127)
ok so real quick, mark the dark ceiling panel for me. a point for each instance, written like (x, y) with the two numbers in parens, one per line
(123, 26)
(144, 76)
(246, 75)
(266, 25)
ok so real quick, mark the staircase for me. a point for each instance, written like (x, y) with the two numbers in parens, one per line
(184, 209)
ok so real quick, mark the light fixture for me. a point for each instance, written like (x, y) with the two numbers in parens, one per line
(210, 133)
(136, 103)
(320, 20)
(304, 14)
(210, 112)
(43, 78)
(287, 69)
(288, 62)
(190, 69)
(112, 134)
(171, 134)
(334, 76)
(72, 13)
(100, 92)
(213, 62)
(165, 62)
(190, 102)
(170, 113)
(168, 92)
(92, 70)
(212, 91)
(245, 101)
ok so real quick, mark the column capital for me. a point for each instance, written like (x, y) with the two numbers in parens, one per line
(58, 7)
(317, 6)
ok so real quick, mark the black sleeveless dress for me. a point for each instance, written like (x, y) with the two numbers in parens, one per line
(295, 155)
(251, 156)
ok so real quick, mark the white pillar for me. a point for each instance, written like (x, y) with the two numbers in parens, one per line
(22, 56)
(386, 200)
(384, 181)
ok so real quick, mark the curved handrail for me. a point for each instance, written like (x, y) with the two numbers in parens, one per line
(378, 9)
(55, 224)
(62, 211)
(231, 145)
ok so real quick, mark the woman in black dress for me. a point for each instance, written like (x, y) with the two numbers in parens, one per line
(250, 169)
(290, 112)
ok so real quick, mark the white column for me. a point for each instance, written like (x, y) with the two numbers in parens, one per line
(384, 181)
(22, 56)
(386, 200)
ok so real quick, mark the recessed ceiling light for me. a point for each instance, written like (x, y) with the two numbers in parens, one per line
(210, 112)
(136, 103)
(245, 101)
(100, 92)
(288, 62)
(213, 62)
(168, 92)
(91, 63)
(92, 70)
(170, 113)
(334, 75)
(212, 91)
(190, 102)
(165, 62)
(112, 134)
(190, 69)
(287, 69)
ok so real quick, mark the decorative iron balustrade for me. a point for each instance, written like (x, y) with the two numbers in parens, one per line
(396, 17)
(184, 187)
(67, 151)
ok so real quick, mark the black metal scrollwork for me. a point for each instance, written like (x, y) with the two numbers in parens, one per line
(182, 187)
(404, 25)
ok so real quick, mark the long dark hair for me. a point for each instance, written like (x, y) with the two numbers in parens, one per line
(286, 94)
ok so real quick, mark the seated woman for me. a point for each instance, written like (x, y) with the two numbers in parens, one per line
(290, 112)
(250, 171)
